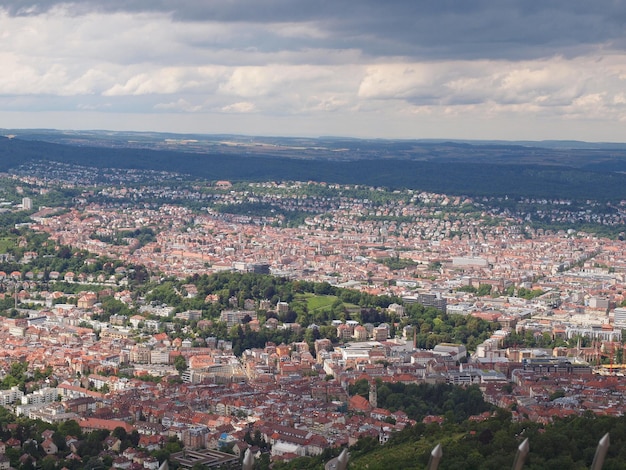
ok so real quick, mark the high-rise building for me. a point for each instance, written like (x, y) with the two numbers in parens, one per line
(619, 320)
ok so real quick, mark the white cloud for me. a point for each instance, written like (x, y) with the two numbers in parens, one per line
(240, 107)
(552, 86)
(163, 82)
(272, 79)
(179, 105)
(29, 78)
(301, 68)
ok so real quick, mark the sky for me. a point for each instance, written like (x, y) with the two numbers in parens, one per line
(466, 69)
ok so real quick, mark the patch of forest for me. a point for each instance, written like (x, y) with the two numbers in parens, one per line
(442, 175)
(487, 445)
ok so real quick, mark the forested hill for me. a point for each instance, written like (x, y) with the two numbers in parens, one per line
(442, 175)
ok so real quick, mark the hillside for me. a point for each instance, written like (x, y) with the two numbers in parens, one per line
(440, 170)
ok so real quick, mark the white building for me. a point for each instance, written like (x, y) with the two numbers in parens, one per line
(619, 319)
(11, 396)
(41, 396)
(594, 332)
(159, 356)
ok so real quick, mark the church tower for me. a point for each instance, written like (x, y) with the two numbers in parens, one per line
(373, 395)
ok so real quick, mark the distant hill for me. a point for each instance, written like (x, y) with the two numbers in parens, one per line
(575, 154)
(446, 167)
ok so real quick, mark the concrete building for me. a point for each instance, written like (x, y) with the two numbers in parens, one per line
(619, 319)
(455, 351)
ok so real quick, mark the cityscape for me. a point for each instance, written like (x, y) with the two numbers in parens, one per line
(143, 306)
(299, 235)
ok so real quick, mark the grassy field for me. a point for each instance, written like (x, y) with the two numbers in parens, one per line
(317, 302)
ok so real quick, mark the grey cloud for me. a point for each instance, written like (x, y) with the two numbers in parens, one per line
(495, 29)
(374, 66)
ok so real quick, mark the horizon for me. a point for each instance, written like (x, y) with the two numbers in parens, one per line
(480, 70)
(313, 137)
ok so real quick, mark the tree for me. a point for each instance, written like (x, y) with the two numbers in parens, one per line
(48, 463)
(70, 428)
(65, 252)
(323, 288)
(483, 290)
(180, 363)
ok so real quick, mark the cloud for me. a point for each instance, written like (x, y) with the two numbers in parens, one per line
(471, 29)
(384, 65)
(165, 81)
(240, 107)
(566, 85)
(272, 79)
(179, 105)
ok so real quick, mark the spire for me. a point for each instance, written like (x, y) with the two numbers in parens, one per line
(373, 395)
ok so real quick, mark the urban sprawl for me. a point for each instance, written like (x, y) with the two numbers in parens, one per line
(551, 301)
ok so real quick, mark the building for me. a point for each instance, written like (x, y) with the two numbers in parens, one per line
(259, 268)
(344, 332)
(463, 261)
(235, 317)
(41, 396)
(455, 351)
(397, 309)
(190, 315)
(206, 458)
(599, 332)
(10, 396)
(360, 333)
(160, 356)
(140, 354)
(619, 319)
(428, 299)
(459, 309)
(381, 332)
(432, 299)
(555, 365)
(600, 303)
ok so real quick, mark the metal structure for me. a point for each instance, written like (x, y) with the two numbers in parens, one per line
(248, 461)
(435, 457)
(341, 462)
(520, 456)
(601, 450)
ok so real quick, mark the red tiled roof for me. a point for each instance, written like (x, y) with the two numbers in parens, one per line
(108, 424)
